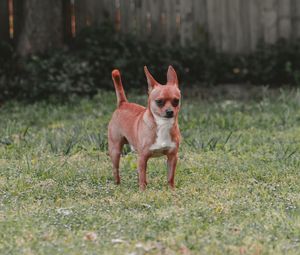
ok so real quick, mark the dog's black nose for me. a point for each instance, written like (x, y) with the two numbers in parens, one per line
(169, 113)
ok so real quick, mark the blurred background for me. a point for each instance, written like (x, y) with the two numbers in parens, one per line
(64, 47)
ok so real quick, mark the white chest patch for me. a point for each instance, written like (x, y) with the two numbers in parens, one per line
(163, 138)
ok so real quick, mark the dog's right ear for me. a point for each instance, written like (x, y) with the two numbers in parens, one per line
(151, 82)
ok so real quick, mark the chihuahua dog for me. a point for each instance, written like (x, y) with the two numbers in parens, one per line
(151, 131)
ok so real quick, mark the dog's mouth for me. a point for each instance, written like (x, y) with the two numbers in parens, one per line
(168, 117)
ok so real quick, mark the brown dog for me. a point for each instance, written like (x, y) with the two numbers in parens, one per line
(152, 131)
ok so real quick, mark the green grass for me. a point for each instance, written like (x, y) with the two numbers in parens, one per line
(238, 181)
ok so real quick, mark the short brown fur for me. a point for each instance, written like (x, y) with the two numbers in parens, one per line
(152, 131)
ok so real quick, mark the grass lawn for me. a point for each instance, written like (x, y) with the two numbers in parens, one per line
(238, 180)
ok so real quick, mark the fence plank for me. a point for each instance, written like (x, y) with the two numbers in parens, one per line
(270, 21)
(18, 20)
(139, 17)
(295, 18)
(228, 33)
(199, 21)
(225, 26)
(177, 20)
(214, 23)
(125, 16)
(145, 20)
(80, 14)
(4, 24)
(238, 26)
(170, 20)
(244, 28)
(133, 18)
(186, 33)
(256, 31)
(284, 19)
(67, 23)
(163, 21)
(154, 8)
(95, 12)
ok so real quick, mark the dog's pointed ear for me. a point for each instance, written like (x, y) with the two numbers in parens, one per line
(151, 82)
(172, 76)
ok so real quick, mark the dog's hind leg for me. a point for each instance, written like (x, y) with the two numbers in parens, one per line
(115, 150)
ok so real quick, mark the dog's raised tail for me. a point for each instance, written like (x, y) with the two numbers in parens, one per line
(116, 76)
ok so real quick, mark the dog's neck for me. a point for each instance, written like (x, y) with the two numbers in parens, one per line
(163, 139)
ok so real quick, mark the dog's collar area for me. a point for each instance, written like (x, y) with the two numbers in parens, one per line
(163, 139)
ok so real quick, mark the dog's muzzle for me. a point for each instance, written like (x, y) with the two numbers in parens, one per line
(169, 113)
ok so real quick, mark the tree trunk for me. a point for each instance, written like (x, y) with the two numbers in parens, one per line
(40, 25)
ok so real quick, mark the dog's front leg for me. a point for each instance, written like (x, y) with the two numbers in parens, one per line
(142, 167)
(172, 161)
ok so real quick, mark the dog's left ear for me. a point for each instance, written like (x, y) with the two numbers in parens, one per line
(172, 76)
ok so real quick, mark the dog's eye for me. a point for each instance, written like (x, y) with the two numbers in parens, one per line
(160, 102)
(175, 102)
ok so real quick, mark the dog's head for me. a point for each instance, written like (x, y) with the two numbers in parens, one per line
(164, 100)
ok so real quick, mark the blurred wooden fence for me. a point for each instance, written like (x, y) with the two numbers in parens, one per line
(229, 25)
